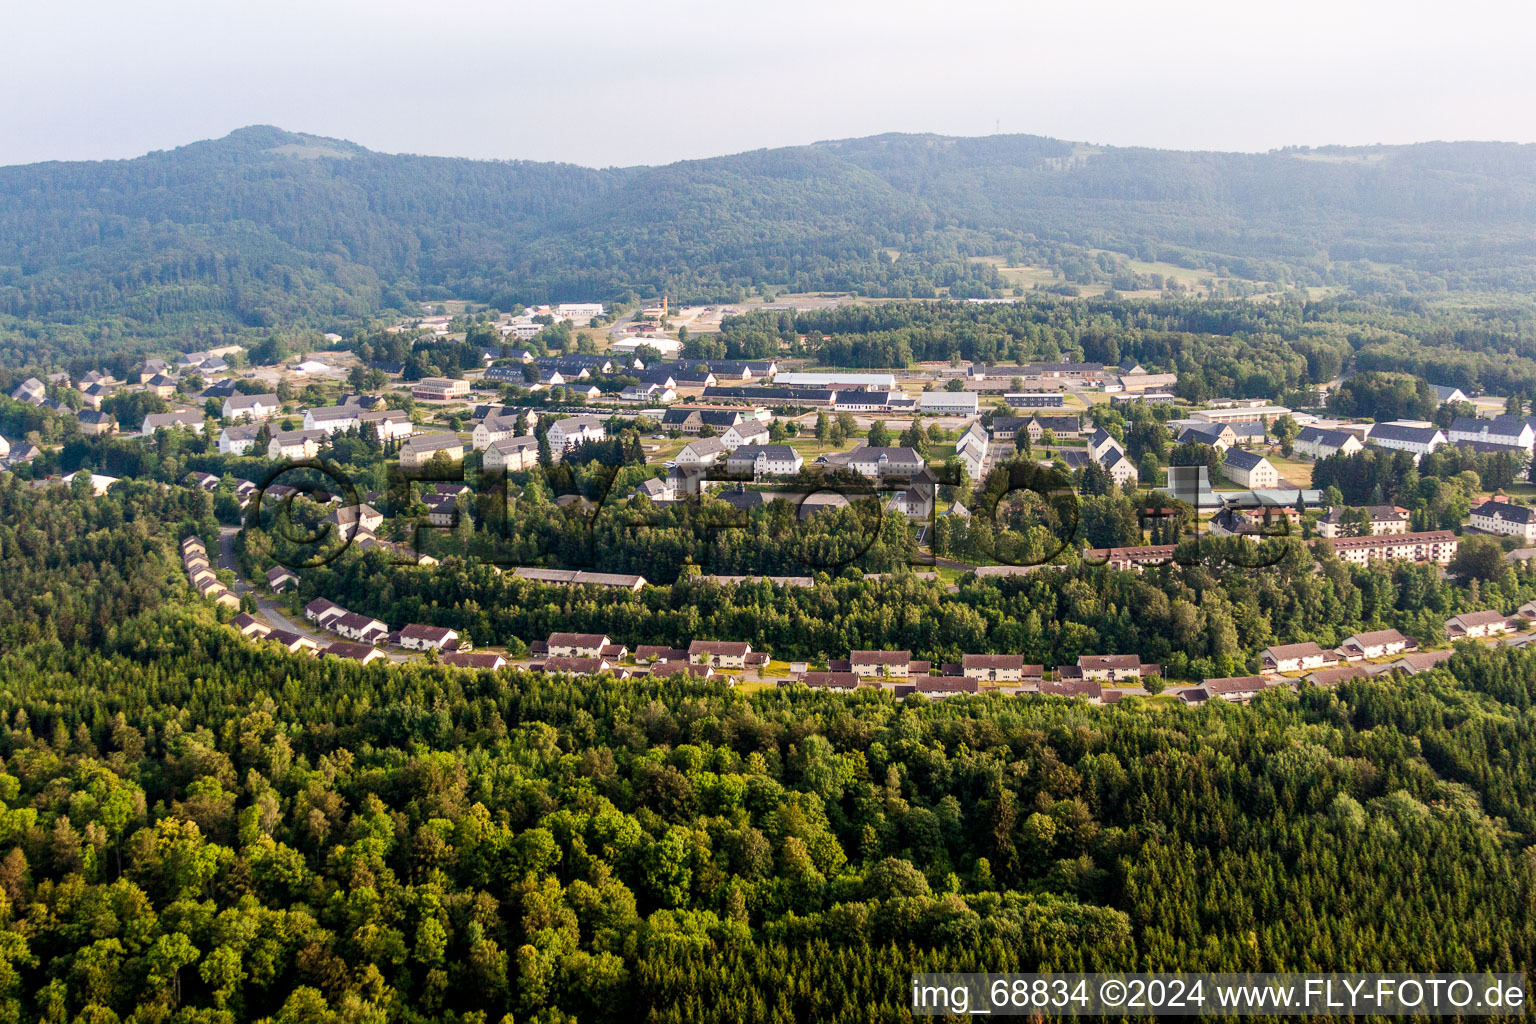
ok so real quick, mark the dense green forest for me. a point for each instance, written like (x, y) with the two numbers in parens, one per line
(195, 827)
(266, 229)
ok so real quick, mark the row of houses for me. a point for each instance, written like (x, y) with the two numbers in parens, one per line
(362, 629)
(594, 653)
(1382, 643)
(1006, 670)
(362, 653)
(1436, 546)
(194, 559)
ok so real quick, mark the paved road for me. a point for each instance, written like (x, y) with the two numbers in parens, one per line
(268, 610)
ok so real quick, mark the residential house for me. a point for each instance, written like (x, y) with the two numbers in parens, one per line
(494, 428)
(161, 385)
(1296, 657)
(1137, 558)
(877, 463)
(1119, 467)
(388, 424)
(95, 424)
(1091, 690)
(294, 642)
(1375, 644)
(251, 407)
(880, 664)
(192, 421)
(1476, 625)
(747, 432)
(1505, 431)
(1218, 435)
(1249, 469)
(416, 637)
(1496, 516)
(1448, 393)
(1384, 519)
(1401, 437)
(691, 421)
(1101, 442)
(348, 519)
(1114, 667)
(1438, 546)
(363, 654)
(512, 454)
(296, 444)
(577, 645)
(1061, 427)
(719, 653)
(1319, 443)
(706, 451)
(764, 460)
(250, 626)
(840, 682)
(1238, 689)
(572, 431)
(357, 627)
(469, 659)
(916, 502)
(993, 668)
(336, 419)
(32, 391)
(238, 440)
(323, 612)
(280, 579)
(419, 450)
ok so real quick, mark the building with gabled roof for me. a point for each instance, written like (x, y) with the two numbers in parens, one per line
(719, 653)
(1476, 625)
(1296, 657)
(577, 645)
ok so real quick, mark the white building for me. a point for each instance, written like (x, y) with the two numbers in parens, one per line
(389, 424)
(1118, 465)
(1477, 625)
(706, 451)
(492, 429)
(1506, 518)
(568, 433)
(1248, 469)
(876, 463)
(746, 432)
(238, 440)
(512, 454)
(1507, 431)
(251, 407)
(1318, 443)
(1296, 657)
(1100, 442)
(334, 420)
(765, 460)
(1406, 438)
(839, 381)
(295, 444)
(416, 637)
(1376, 644)
(947, 403)
(418, 451)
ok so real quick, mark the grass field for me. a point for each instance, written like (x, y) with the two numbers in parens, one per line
(1296, 472)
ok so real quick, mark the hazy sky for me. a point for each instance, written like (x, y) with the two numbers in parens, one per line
(611, 82)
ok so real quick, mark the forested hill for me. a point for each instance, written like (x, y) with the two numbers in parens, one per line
(266, 227)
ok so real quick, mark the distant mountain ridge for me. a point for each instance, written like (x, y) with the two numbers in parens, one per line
(265, 226)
